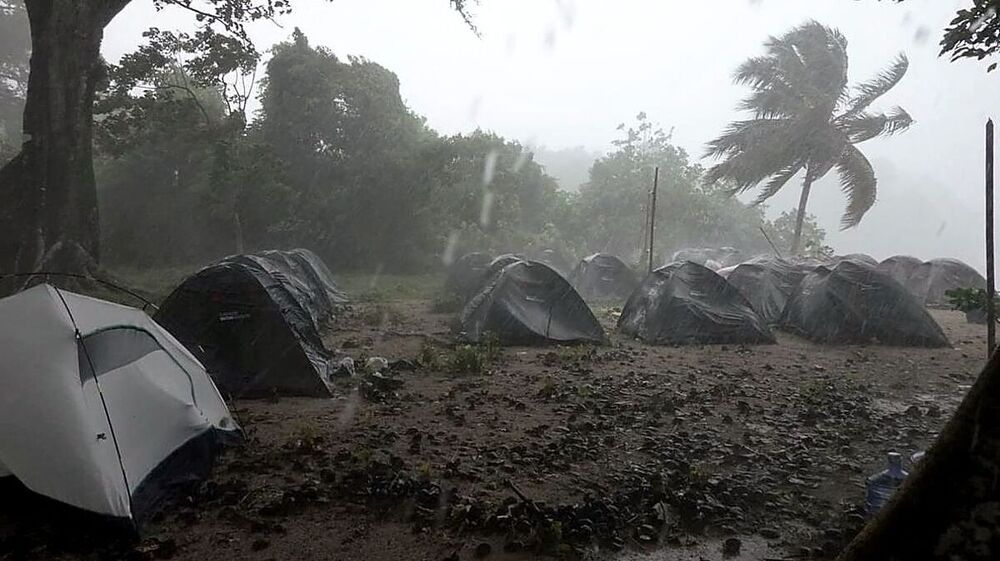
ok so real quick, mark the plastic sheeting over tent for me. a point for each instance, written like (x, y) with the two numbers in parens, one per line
(101, 408)
(931, 280)
(687, 303)
(553, 259)
(255, 320)
(900, 268)
(604, 276)
(767, 285)
(855, 303)
(713, 258)
(856, 257)
(528, 303)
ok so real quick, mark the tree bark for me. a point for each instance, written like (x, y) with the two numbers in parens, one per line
(950, 507)
(801, 215)
(49, 218)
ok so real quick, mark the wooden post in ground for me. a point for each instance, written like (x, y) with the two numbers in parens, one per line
(991, 327)
(652, 215)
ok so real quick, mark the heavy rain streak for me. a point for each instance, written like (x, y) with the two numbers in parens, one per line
(449, 280)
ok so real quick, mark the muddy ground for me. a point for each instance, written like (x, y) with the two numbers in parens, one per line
(626, 451)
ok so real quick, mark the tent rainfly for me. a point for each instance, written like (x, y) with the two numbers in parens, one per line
(931, 281)
(687, 303)
(101, 408)
(602, 275)
(528, 303)
(855, 303)
(254, 320)
(766, 284)
(900, 267)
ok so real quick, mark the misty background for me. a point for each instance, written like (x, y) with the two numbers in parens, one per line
(561, 75)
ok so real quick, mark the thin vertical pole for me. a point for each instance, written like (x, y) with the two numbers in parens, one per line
(991, 328)
(652, 215)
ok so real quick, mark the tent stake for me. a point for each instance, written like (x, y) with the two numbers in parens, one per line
(652, 215)
(991, 335)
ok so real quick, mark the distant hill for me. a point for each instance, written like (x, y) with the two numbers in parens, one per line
(569, 166)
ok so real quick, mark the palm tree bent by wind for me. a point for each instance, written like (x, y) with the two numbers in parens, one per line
(805, 118)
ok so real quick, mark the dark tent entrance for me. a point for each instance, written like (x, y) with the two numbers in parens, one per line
(255, 325)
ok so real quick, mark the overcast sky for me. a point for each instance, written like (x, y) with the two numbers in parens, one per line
(566, 72)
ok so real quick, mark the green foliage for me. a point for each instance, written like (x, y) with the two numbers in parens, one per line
(782, 230)
(609, 209)
(473, 358)
(804, 118)
(335, 161)
(974, 33)
(968, 299)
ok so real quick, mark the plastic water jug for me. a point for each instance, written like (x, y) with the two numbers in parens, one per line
(882, 485)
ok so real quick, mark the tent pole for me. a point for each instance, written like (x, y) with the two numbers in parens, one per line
(652, 216)
(991, 335)
(111, 426)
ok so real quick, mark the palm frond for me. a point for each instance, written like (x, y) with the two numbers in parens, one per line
(866, 126)
(776, 183)
(777, 101)
(747, 169)
(741, 136)
(869, 91)
(814, 58)
(857, 180)
(757, 72)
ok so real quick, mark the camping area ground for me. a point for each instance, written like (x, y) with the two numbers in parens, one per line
(659, 452)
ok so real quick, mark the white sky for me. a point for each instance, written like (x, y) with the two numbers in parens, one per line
(566, 72)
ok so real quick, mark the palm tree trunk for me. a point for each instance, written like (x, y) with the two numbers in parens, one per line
(800, 216)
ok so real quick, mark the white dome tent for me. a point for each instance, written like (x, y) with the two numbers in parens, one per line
(101, 408)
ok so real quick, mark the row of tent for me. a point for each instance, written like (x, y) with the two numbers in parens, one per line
(927, 280)
(106, 409)
(847, 301)
(125, 405)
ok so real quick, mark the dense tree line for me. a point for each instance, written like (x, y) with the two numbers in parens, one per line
(334, 160)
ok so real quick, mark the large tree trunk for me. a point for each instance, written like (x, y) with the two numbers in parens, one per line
(950, 507)
(801, 215)
(48, 220)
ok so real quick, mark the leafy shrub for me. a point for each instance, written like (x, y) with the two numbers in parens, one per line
(968, 299)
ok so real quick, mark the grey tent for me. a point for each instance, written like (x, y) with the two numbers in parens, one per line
(687, 303)
(602, 276)
(932, 279)
(719, 258)
(855, 303)
(858, 257)
(102, 409)
(465, 275)
(528, 303)
(900, 268)
(766, 284)
(254, 320)
(553, 259)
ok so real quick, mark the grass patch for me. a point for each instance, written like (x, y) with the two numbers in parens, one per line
(462, 359)
(366, 287)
